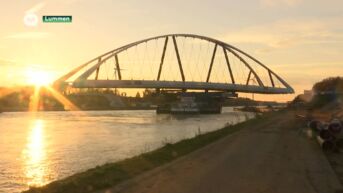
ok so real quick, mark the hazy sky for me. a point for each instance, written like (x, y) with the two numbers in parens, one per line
(301, 40)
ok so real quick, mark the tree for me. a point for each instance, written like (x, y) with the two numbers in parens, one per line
(138, 95)
(332, 84)
(328, 91)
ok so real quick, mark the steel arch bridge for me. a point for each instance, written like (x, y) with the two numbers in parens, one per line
(177, 61)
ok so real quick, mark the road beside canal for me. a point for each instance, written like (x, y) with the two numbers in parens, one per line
(270, 156)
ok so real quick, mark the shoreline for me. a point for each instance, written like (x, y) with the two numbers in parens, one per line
(130, 172)
(111, 174)
(8, 110)
(62, 110)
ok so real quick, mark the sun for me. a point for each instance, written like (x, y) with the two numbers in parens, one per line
(38, 78)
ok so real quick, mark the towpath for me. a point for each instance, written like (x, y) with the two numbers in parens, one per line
(270, 157)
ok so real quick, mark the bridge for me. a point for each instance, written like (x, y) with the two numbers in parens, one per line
(177, 61)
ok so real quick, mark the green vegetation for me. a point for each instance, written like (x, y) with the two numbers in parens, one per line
(19, 99)
(328, 92)
(113, 173)
(332, 84)
(239, 101)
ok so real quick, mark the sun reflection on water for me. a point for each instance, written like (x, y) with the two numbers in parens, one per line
(35, 155)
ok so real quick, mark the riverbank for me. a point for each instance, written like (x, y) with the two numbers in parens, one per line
(270, 156)
(334, 157)
(69, 142)
(115, 173)
(10, 110)
(268, 146)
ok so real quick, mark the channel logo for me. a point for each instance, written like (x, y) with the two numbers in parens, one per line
(31, 20)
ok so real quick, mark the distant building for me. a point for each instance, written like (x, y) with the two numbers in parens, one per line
(307, 96)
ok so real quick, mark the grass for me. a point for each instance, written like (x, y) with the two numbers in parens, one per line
(111, 174)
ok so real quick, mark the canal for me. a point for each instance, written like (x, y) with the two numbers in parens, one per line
(37, 148)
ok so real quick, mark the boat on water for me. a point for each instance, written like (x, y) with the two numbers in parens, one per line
(184, 108)
(189, 105)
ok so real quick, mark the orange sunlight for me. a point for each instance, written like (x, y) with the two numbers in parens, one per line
(35, 155)
(38, 77)
(62, 99)
(34, 101)
(42, 79)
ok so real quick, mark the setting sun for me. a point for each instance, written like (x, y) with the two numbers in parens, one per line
(38, 78)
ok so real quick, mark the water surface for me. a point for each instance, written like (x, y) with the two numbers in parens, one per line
(37, 148)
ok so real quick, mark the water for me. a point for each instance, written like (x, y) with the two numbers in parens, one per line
(36, 149)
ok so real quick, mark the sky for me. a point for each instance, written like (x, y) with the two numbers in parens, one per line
(301, 40)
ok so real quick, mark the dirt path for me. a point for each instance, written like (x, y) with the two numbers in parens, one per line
(271, 157)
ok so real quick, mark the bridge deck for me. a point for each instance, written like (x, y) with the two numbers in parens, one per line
(178, 85)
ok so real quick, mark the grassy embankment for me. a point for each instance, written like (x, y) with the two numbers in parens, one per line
(112, 174)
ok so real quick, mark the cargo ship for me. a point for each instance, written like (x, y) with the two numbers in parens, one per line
(190, 104)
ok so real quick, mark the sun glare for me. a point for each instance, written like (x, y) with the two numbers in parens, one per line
(38, 78)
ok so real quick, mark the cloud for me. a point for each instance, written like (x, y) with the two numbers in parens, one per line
(309, 73)
(5, 62)
(274, 3)
(29, 35)
(36, 7)
(288, 33)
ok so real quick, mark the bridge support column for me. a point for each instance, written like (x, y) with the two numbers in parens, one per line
(117, 66)
(211, 64)
(162, 58)
(178, 59)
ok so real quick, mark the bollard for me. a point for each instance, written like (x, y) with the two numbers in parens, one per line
(309, 133)
(339, 143)
(313, 124)
(335, 126)
(325, 134)
(326, 144)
